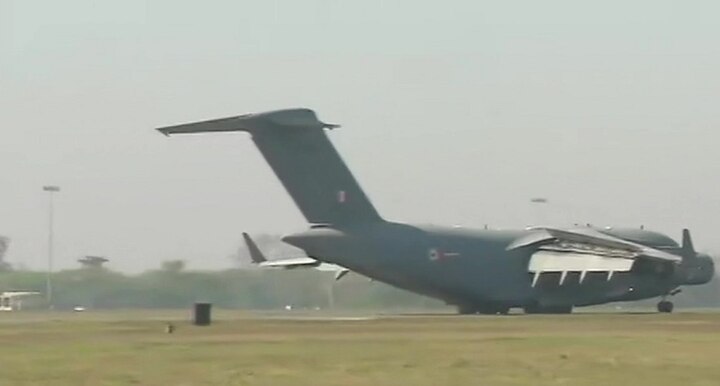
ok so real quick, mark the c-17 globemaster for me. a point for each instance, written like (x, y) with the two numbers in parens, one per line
(542, 269)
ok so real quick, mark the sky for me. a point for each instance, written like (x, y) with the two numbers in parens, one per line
(454, 113)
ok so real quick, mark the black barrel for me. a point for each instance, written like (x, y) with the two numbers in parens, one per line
(201, 314)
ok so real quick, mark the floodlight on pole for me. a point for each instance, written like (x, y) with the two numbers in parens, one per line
(51, 189)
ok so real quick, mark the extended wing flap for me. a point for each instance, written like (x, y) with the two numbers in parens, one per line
(549, 261)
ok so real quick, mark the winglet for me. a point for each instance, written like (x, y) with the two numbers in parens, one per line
(255, 254)
(340, 273)
(687, 244)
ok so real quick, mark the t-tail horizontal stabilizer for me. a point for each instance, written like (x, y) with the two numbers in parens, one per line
(289, 119)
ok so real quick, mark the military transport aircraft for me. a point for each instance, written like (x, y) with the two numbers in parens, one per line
(542, 270)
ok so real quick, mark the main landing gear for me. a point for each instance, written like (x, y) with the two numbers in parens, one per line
(483, 310)
(665, 306)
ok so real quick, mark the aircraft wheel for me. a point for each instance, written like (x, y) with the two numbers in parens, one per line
(483, 310)
(665, 306)
(499, 310)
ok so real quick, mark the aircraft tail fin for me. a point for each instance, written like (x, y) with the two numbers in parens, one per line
(294, 143)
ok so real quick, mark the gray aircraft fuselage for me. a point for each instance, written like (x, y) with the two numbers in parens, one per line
(474, 269)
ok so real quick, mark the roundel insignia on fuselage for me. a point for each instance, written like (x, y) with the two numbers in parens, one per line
(435, 254)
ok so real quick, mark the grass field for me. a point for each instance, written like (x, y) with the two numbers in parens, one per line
(131, 348)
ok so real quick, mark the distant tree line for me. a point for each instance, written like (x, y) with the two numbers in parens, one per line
(174, 287)
(248, 287)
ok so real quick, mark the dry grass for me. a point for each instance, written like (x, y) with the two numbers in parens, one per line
(131, 348)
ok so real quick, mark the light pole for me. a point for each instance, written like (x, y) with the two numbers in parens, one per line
(51, 189)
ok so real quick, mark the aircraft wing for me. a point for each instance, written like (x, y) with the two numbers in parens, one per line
(591, 241)
(586, 250)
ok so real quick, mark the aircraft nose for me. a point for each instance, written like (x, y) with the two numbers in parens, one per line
(703, 271)
(710, 268)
